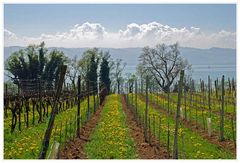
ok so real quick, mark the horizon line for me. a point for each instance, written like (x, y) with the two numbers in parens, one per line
(120, 47)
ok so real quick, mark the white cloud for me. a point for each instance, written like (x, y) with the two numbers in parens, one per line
(134, 35)
(131, 31)
(10, 35)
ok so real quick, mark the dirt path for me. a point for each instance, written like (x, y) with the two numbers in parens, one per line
(145, 150)
(227, 144)
(75, 149)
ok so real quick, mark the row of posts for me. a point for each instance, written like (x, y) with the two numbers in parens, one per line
(48, 132)
(177, 117)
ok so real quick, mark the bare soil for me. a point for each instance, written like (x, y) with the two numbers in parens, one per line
(214, 138)
(145, 150)
(75, 149)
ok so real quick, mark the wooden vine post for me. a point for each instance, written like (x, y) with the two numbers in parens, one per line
(209, 120)
(233, 88)
(185, 100)
(98, 102)
(78, 106)
(203, 103)
(222, 113)
(94, 101)
(45, 142)
(175, 143)
(40, 99)
(136, 105)
(146, 112)
(191, 94)
(168, 124)
(7, 102)
(131, 87)
(88, 99)
(216, 88)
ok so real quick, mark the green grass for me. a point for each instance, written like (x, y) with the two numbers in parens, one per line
(191, 145)
(27, 144)
(201, 116)
(214, 103)
(111, 139)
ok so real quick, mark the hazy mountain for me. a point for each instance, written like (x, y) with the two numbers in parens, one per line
(199, 58)
(212, 56)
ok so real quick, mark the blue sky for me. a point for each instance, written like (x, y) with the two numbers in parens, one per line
(34, 20)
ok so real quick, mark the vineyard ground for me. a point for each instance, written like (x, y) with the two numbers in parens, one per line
(133, 134)
(227, 144)
(75, 149)
(145, 150)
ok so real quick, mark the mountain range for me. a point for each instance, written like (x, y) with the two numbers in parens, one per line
(201, 59)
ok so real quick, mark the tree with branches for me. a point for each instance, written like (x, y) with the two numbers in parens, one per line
(73, 71)
(34, 63)
(88, 67)
(164, 63)
(105, 71)
(117, 70)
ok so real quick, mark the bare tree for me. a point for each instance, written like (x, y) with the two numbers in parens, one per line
(130, 78)
(164, 63)
(73, 70)
(117, 70)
